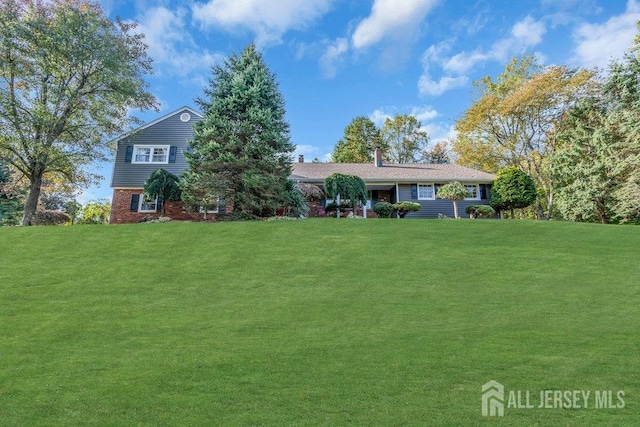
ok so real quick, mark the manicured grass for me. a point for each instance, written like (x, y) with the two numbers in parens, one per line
(330, 322)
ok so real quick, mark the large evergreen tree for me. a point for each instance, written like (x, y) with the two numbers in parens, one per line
(241, 149)
(360, 138)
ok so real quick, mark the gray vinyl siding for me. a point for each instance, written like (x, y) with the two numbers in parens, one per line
(431, 208)
(170, 131)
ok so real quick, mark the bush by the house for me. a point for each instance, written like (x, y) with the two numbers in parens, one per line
(49, 218)
(331, 207)
(479, 210)
(403, 208)
(384, 209)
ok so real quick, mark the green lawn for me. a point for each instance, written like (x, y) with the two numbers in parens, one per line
(329, 322)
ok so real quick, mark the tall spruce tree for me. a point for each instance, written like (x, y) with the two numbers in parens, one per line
(241, 149)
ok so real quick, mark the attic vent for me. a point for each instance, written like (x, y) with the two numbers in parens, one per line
(185, 117)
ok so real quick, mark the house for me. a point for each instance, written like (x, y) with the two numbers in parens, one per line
(404, 183)
(158, 144)
(163, 142)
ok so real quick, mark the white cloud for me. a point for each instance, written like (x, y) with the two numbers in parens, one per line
(379, 116)
(267, 19)
(597, 44)
(529, 32)
(310, 152)
(424, 113)
(463, 61)
(171, 47)
(421, 113)
(390, 18)
(524, 35)
(428, 86)
(332, 55)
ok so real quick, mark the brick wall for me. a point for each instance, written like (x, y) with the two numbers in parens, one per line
(121, 214)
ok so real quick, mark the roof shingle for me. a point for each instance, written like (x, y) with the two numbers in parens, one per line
(391, 172)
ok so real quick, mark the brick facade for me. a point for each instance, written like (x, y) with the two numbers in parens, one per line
(121, 212)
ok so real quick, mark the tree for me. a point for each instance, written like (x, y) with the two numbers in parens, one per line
(164, 185)
(403, 139)
(510, 122)
(622, 91)
(10, 200)
(73, 209)
(586, 166)
(68, 78)
(360, 138)
(241, 149)
(439, 153)
(97, 212)
(348, 187)
(453, 191)
(512, 189)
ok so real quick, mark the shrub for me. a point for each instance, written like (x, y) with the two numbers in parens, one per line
(49, 218)
(512, 189)
(403, 208)
(479, 210)
(384, 209)
(331, 207)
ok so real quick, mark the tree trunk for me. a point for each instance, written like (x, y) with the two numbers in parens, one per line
(455, 209)
(31, 204)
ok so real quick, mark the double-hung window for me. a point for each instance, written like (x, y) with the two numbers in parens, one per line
(426, 192)
(474, 192)
(148, 206)
(151, 154)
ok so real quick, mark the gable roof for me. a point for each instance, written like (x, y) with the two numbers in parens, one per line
(153, 122)
(419, 172)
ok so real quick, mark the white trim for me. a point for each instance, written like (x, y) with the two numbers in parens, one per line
(151, 147)
(433, 190)
(477, 191)
(201, 210)
(140, 203)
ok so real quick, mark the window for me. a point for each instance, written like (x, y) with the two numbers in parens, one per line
(211, 208)
(426, 192)
(473, 190)
(201, 210)
(150, 206)
(150, 154)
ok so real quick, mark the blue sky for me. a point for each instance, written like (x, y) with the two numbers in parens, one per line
(337, 59)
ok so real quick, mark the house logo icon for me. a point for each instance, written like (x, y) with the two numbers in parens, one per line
(492, 399)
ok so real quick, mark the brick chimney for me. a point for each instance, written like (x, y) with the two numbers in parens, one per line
(377, 157)
(301, 158)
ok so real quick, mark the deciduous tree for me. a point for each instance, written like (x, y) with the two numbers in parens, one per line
(241, 149)
(510, 122)
(403, 139)
(360, 138)
(453, 191)
(68, 77)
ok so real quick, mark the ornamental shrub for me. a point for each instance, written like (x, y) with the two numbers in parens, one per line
(479, 210)
(384, 209)
(403, 208)
(49, 218)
